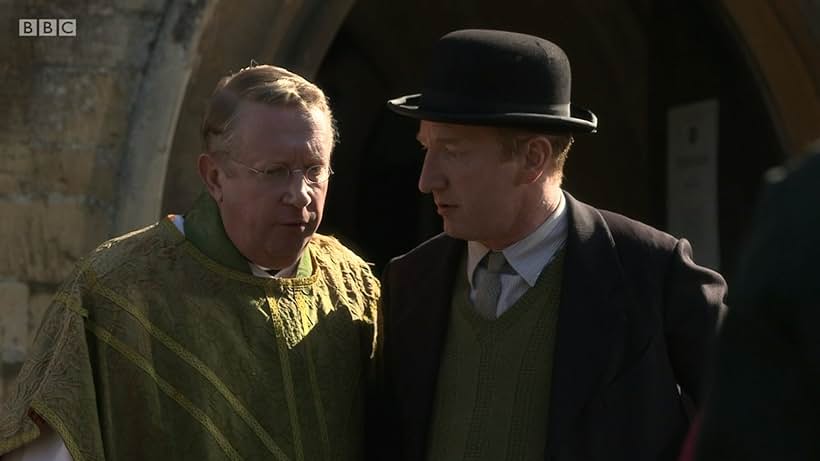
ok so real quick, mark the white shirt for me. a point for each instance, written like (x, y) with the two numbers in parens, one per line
(527, 257)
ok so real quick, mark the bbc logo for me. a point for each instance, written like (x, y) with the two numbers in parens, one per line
(48, 28)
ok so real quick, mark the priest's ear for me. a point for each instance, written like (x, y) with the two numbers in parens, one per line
(212, 171)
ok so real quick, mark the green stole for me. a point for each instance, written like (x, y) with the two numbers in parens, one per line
(493, 389)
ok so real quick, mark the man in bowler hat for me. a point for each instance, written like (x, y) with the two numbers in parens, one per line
(536, 326)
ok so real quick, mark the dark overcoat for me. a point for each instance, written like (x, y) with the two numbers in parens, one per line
(635, 325)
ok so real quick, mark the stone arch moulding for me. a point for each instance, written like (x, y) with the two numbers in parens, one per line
(778, 45)
(300, 33)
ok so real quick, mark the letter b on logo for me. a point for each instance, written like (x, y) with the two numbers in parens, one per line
(28, 28)
(47, 27)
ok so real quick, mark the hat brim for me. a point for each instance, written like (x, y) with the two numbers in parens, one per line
(580, 120)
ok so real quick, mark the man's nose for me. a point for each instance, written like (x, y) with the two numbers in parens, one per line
(298, 190)
(431, 177)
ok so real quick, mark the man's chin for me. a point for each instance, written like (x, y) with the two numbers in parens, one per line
(288, 256)
(453, 231)
(463, 231)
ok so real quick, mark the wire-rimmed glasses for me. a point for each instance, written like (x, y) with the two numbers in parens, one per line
(280, 174)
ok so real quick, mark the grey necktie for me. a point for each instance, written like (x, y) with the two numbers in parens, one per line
(486, 299)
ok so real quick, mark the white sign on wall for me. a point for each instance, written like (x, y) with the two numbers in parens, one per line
(691, 171)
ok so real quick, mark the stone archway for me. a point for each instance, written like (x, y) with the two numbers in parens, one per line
(781, 42)
(145, 160)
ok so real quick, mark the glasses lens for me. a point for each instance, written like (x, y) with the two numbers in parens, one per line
(317, 174)
(278, 173)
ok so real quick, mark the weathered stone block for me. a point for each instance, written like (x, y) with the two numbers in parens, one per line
(9, 184)
(121, 40)
(37, 305)
(16, 168)
(15, 124)
(73, 107)
(98, 7)
(146, 6)
(64, 169)
(44, 238)
(14, 331)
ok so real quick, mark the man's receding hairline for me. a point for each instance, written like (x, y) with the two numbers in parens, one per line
(308, 113)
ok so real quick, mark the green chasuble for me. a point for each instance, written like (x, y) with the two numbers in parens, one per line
(492, 396)
(164, 346)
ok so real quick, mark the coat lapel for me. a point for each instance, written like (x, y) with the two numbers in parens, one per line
(591, 319)
(420, 335)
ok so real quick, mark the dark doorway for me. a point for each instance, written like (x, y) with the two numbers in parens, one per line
(631, 61)
(694, 57)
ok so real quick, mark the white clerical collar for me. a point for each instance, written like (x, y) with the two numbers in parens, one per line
(257, 270)
(260, 271)
(530, 255)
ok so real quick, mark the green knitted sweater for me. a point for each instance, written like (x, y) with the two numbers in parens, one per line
(493, 388)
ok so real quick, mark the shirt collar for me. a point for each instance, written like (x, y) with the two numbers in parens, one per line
(260, 271)
(529, 255)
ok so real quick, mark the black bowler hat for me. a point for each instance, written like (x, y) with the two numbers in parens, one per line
(493, 77)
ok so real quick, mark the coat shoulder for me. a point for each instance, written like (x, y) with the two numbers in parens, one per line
(434, 248)
(636, 235)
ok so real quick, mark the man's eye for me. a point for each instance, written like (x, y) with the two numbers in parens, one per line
(277, 172)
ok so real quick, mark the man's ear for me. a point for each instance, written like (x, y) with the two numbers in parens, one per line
(211, 174)
(537, 158)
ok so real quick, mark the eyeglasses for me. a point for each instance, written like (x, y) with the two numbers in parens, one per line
(280, 174)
